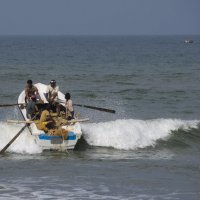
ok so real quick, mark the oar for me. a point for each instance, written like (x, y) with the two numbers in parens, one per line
(19, 121)
(7, 105)
(96, 108)
(78, 120)
(29, 122)
(92, 107)
(18, 104)
(14, 138)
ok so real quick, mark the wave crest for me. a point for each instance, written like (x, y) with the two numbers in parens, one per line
(130, 134)
(24, 144)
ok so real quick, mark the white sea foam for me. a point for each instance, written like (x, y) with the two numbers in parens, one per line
(25, 143)
(120, 134)
(132, 133)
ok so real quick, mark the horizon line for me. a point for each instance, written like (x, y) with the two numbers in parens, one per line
(177, 34)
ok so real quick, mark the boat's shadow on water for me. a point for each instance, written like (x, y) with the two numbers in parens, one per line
(82, 145)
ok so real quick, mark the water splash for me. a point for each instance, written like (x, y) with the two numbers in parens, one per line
(132, 133)
(24, 144)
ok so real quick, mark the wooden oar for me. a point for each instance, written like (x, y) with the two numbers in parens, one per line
(29, 122)
(18, 104)
(14, 138)
(7, 105)
(96, 108)
(92, 107)
(78, 120)
(19, 121)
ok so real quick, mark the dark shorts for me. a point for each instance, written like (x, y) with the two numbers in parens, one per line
(71, 117)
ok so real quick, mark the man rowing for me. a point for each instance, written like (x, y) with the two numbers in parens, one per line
(31, 94)
(31, 90)
(52, 96)
(69, 107)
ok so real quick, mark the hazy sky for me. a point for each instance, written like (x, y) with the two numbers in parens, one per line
(96, 17)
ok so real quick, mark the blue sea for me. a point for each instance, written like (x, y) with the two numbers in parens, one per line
(149, 149)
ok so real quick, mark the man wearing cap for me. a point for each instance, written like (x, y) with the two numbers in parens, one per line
(52, 95)
(52, 91)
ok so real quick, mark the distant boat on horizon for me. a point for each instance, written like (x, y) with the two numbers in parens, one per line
(189, 41)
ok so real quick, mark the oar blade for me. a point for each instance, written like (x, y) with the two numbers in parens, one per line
(97, 108)
(8, 105)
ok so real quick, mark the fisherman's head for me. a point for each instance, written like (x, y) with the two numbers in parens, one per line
(53, 83)
(67, 96)
(29, 83)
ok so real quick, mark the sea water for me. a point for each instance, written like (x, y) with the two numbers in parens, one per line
(149, 149)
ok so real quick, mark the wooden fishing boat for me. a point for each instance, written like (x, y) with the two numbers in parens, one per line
(47, 141)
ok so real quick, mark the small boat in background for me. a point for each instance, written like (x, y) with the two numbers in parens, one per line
(189, 41)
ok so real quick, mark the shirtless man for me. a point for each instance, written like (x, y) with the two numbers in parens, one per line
(31, 90)
(31, 94)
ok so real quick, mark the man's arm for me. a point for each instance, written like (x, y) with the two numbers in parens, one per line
(26, 94)
(37, 93)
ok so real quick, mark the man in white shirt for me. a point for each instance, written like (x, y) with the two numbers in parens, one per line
(69, 107)
(52, 96)
(52, 91)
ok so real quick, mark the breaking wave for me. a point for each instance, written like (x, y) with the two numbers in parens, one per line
(25, 143)
(125, 134)
(133, 134)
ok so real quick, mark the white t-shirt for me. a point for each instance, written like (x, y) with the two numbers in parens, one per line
(69, 105)
(51, 90)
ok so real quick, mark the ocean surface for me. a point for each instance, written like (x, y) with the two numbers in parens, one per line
(149, 149)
